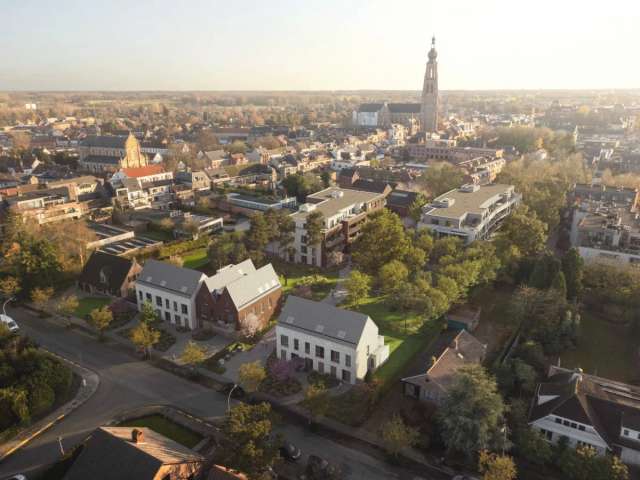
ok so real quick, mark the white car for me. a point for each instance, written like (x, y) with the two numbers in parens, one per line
(9, 322)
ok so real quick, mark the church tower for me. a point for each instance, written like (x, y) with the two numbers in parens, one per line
(429, 109)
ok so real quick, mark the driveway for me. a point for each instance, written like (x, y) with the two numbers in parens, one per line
(260, 352)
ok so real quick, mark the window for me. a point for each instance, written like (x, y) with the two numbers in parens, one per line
(546, 434)
(166, 303)
(303, 249)
(158, 301)
(303, 238)
(140, 295)
(167, 316)
(566, 423)
(283, 354)
(333, 371)
(184, 308)
(284, 340)
(347, 360)
(321, 367)
(303, 259)
(335, 356)
(581, 428)
(307, 347)
(175, 306)
(626, 432)
(177, 318)
(558, 421)
(319, 351)
(148, 297)
(296, 344)
(346, 376)
(574, 425)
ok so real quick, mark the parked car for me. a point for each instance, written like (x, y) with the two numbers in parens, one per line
(290, 452)
(17, 477)
(320, 469)
(9, 322)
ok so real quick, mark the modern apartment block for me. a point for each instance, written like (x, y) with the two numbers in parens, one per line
(343, 213)
(471, 212)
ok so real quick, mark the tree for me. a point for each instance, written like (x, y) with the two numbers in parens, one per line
(442, 177)
(584, 463)
(258, 237)
(67, 306)
(383, 239)
(237, 147)
(145, 337)
(9, 287)
(193, 354)
(392, 275)
(545, 271)
(357, 285)
(525, 231)
(35, 263)
(559, 284)
(148, 314)
(251, 375)
(471, 416)
(496, 467)
(573, 269)
(532, 446)
(316, 401)
(415, 210)
(250, 326)
(100, 319)
(40, 297)
(326, 179)
(396, 436)
(247, 444)
(191, 227)
(314, 228)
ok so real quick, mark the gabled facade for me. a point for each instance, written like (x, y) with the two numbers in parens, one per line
(588, 411)
(109, 275)
(238, 295)
(331, 340)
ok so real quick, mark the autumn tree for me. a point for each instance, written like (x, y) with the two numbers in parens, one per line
(41, 296)
(316, 401)
(148, 313)
(396, 436)
(9, 287)
(357, 285)
(145, 337)
(67, 306)
(251, 375)
(193, 354)
(442, 177)
(100, 319)
(392, 275)
(496, 467)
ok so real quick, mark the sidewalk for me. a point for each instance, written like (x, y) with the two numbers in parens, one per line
(339, 293)
(89, 384)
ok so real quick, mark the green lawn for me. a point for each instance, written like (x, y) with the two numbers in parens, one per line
(159, 235)
(85, 305)
(403, 344)
(292, 274)
(196, 258)
(605, 349)
(166, 427)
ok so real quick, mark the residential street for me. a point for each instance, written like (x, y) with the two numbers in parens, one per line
(127, 383)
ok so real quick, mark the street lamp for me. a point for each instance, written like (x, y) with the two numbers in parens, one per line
(4, 305)
(235, 385)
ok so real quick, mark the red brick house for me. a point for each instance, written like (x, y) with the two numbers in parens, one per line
(238, 296)
(109, 275)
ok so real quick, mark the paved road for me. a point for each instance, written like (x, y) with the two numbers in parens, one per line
(126, 383)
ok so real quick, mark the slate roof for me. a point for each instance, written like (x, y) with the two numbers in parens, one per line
(115, 270)
(249, 287)
(109, 454)
(370, 185)
(105, 141)
(404, 107)
(166, 276)
(604, 404)
(370, 107)
(229, 274)
(401, 198)
(323, 320)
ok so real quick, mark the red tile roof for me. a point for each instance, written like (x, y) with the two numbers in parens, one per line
(143, 171)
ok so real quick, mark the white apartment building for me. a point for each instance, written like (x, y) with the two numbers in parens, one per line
(330, 340)
(471, 212)
(588, 411)
(171, 290)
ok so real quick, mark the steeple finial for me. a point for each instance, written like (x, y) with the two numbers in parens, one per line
(433, 40)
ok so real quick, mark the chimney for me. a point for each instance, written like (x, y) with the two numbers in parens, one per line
(454, 343)
(137, 436)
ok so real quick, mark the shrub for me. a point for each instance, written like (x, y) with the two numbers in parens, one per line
(40, 396)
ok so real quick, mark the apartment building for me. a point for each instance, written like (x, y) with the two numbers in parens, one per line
(447, 150)
(471, 212)
(343, 212)
(341, 343)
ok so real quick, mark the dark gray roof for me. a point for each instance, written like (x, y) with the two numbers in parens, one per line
(322, 319)
(404, 107)
(110, 454)
(370, 107)
(401, 198)
(180, 280)
(104, 266)
(105, 141)
(101, 159)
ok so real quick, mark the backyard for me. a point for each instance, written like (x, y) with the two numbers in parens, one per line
(166, 427)
(196, 258)
(606, 349)
(294, 275)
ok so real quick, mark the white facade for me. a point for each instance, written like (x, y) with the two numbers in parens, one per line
(365, 119)
(553, 427)
(171, 306)
(346, 362)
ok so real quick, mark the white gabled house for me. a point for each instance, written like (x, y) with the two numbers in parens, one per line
(172, 292)
(588, 411)
(330, 340)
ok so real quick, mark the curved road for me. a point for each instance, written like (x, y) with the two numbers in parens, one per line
(126, 382)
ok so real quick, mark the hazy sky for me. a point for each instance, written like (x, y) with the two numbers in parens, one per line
(316, 44)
